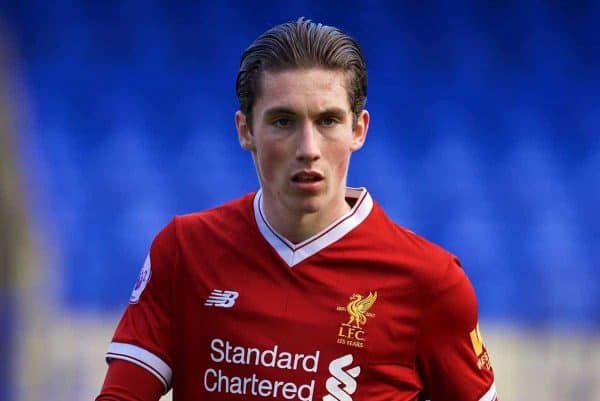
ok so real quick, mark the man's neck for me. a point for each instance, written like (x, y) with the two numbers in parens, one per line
(298, 227)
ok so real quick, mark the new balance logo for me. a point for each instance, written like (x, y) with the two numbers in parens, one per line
(222, 299)
(342, 384)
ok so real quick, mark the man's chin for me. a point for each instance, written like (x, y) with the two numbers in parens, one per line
(307, 205)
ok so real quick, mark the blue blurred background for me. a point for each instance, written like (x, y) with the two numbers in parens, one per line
(485, 138)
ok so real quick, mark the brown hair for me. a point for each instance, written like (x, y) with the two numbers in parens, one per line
(302, 44)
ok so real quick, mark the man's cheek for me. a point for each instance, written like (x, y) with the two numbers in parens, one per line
(341, 168)
(268, 169)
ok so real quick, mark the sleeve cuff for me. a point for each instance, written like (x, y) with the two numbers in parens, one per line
(490, 395)
(143, 358)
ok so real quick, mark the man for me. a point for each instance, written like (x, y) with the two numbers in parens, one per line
(304, 290)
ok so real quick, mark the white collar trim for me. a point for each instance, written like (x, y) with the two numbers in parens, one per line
(293, 254)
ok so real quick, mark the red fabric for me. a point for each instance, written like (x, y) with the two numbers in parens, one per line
(449, 365)
(126, 381)
(286, 331)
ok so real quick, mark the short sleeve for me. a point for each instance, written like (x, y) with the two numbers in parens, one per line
(452, 358)
(144, 335)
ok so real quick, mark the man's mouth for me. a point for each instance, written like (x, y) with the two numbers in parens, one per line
(307, 176)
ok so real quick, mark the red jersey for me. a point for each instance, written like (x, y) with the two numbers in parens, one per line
(225, 309)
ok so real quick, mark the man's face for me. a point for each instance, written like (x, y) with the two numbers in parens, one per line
(301, 140)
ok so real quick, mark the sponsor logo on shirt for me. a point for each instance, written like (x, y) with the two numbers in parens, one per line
(222, 299)
(483, 359)
(352, 332)
(141, 282)
(342, 383)
(224, 355)
(275, 372)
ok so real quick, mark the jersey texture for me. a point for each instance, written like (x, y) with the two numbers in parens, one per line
(226, 309)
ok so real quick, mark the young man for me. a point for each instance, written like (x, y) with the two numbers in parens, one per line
(304, 290)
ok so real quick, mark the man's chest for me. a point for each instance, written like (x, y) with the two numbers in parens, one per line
(254, 328)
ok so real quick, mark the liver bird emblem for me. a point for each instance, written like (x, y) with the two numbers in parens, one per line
(358, 307)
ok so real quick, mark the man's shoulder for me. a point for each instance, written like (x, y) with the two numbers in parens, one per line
(426, 260)
(216, 222)
(404, 239)
(235, 210)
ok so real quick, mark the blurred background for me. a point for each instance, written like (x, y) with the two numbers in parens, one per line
(485, 138)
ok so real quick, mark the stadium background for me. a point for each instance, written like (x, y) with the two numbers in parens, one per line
(114, 116)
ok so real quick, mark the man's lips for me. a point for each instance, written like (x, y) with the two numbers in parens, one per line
(307, 176)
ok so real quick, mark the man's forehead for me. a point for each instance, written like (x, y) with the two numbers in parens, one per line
(325, 76)
(326, 86)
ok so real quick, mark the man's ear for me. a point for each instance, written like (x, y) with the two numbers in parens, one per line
(359, 135)
(244, 132)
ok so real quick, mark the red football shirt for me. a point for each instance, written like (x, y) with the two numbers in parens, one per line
(227, 309)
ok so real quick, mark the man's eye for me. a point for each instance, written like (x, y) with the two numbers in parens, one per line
(328, 121)
(282, 122)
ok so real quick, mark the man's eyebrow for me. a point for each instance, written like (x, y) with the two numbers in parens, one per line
(337, 111)
(333, 111)
(278, 111)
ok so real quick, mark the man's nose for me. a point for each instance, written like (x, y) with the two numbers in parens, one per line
(308, 148)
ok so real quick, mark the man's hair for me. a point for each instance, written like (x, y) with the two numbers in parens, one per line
(302, 44)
